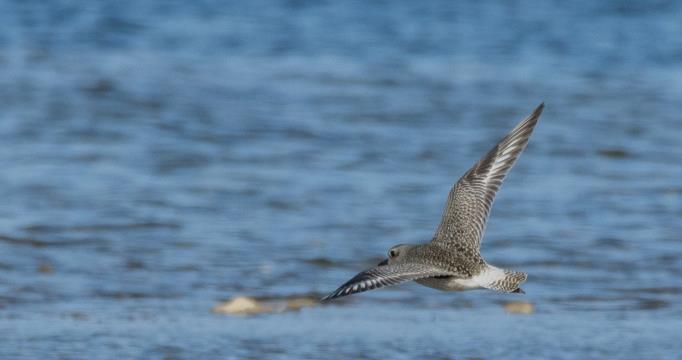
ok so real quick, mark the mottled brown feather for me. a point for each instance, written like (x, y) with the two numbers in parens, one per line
(470, 199)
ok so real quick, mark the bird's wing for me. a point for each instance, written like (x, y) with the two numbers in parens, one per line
(386, 275)
(470, 199)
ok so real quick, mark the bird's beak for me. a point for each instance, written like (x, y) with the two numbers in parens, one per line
(385, 262)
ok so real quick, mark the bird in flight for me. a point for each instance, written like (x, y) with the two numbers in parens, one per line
(452, 261)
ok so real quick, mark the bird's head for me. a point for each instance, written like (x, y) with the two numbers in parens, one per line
(396, 253)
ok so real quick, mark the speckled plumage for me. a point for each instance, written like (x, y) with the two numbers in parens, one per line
(451, 260)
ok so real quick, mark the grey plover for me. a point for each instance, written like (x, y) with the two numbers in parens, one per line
(451, 261)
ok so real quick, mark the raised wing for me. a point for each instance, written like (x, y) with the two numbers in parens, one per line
(386, 275)
(469, 201)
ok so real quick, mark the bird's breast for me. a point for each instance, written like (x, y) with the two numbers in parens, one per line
(449, 283)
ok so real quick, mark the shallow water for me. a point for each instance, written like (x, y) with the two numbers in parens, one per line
(159, 157)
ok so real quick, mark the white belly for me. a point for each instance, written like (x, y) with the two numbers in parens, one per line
(449, 284)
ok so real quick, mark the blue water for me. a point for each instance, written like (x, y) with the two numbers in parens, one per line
(161, 156)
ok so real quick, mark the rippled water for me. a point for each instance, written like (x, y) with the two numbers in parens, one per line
(158, 157)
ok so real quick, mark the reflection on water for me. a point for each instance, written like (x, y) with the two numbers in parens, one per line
(162, 157)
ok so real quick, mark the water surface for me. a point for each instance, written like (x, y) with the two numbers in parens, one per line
(158, 157)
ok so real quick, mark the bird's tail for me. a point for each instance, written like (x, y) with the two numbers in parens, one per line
(501, 280)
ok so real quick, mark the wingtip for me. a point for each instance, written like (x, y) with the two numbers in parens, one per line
(331, 296)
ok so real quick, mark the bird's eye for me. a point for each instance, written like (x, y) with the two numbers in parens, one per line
(392, 253)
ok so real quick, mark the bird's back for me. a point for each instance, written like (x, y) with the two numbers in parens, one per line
(459, 260)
